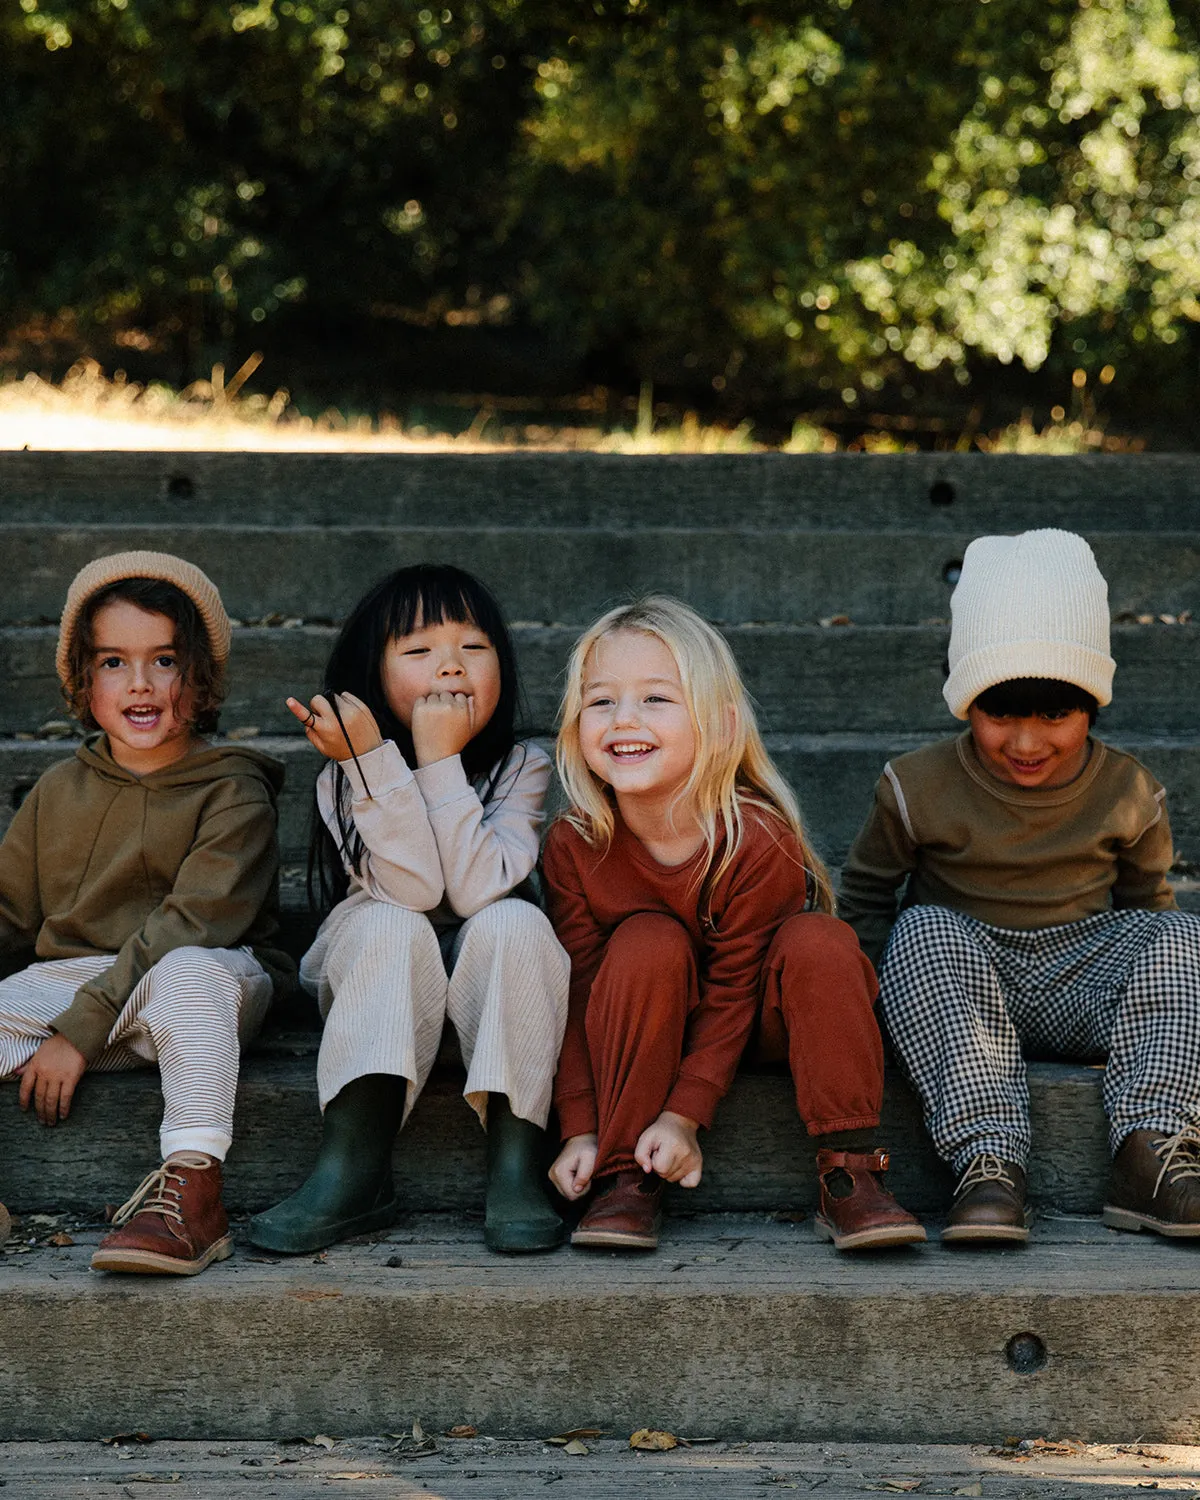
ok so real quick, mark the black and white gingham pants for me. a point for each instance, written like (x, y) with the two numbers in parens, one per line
(960, 999)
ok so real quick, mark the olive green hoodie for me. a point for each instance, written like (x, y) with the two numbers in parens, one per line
(98, 860)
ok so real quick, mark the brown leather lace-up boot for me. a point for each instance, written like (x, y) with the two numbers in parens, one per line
(1156, 1184)
(989, 1204)
(626, 1213)
(174, 1224)
(857, 1212)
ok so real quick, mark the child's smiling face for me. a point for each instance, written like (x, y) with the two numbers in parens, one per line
(635, 730)
(137, 694)
(1039, 750)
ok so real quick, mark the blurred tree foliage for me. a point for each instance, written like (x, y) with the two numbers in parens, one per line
(734, 193)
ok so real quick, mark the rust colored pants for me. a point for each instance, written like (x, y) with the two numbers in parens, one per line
(816, 1013)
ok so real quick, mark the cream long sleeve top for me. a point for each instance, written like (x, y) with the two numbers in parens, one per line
(430, 843)
(944, 831)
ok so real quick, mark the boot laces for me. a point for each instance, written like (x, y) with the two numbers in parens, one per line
(986, 1167)
(1180, 1156)
(153, 1196)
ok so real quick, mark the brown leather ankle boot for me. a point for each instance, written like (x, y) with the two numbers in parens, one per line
(625, 1214)
(1156, 1184)
(174, 1224)
(989, 1204)
(857, 1212)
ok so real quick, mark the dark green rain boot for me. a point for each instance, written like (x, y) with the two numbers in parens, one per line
(519, 1216)
(349, 1190)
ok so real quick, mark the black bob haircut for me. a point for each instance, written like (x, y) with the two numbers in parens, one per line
(1036, 697)
(428, 594)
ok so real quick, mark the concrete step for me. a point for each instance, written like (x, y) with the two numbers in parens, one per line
(757, 1157)
(737, 1327)
(821, 680)
(568, 573)
(465, 1468)
(950, 493)
(834, 776)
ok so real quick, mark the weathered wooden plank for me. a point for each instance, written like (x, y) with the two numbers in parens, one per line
(942, 491)
(568, 575)
(735, 1327)
(757, 1156)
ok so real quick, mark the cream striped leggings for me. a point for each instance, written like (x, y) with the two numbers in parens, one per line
(379, 973)
(191, 1013)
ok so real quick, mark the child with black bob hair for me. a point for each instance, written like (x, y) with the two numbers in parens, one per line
(429, 810)
(143, 873)
(1031, 862)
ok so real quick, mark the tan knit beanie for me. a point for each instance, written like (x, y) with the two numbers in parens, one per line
(160, 565)
(1034, 605)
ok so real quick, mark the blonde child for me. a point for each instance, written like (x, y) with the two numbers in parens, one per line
(693, 908)
(143, 871)
(429, 816)
(1017, 875)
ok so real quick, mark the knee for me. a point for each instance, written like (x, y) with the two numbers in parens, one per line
(198, 972)
(648, 972)
(819, 959)
(651, 939)
(508, 923)
(379, 927)
(191, 982)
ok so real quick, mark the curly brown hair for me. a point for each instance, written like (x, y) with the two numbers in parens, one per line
(198, 669)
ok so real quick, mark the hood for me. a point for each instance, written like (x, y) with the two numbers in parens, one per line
(208, 763)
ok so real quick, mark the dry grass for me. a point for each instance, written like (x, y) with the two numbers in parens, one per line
(88, 410)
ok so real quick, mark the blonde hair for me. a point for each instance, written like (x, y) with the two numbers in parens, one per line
(732, 769)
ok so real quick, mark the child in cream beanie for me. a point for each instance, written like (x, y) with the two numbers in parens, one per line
(1034, 605)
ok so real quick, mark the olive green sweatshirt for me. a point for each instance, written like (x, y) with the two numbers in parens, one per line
(98, 860)
(943, 831)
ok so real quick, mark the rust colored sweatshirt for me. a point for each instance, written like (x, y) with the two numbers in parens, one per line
(591, 891)
(98, 860)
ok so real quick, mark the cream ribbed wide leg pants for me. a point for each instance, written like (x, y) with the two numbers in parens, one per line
(191, 1013)
(381, 982)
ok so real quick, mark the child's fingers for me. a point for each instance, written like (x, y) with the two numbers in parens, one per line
(47, 1100)
(690, 1179)
(28, 1080)
(301, 711)
(65, 1097)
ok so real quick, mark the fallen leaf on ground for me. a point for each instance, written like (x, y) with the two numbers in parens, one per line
(970, 1489)
(562, 1438)
(127, 1437)
(649, 1440)
(903, 1486)
(320, 1441)
(464, 1430)
(418, 1432)
(576, 1448)
(61, 1238)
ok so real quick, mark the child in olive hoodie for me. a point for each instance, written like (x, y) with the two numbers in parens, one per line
(143, 873)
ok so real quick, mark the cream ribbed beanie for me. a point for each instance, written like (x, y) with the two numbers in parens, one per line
(186, 577)
(1034, 605)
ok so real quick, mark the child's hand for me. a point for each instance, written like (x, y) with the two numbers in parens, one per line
(442, 723)
(323, 730)
(670, 1148)
(572, 1171)
(49, 1079)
